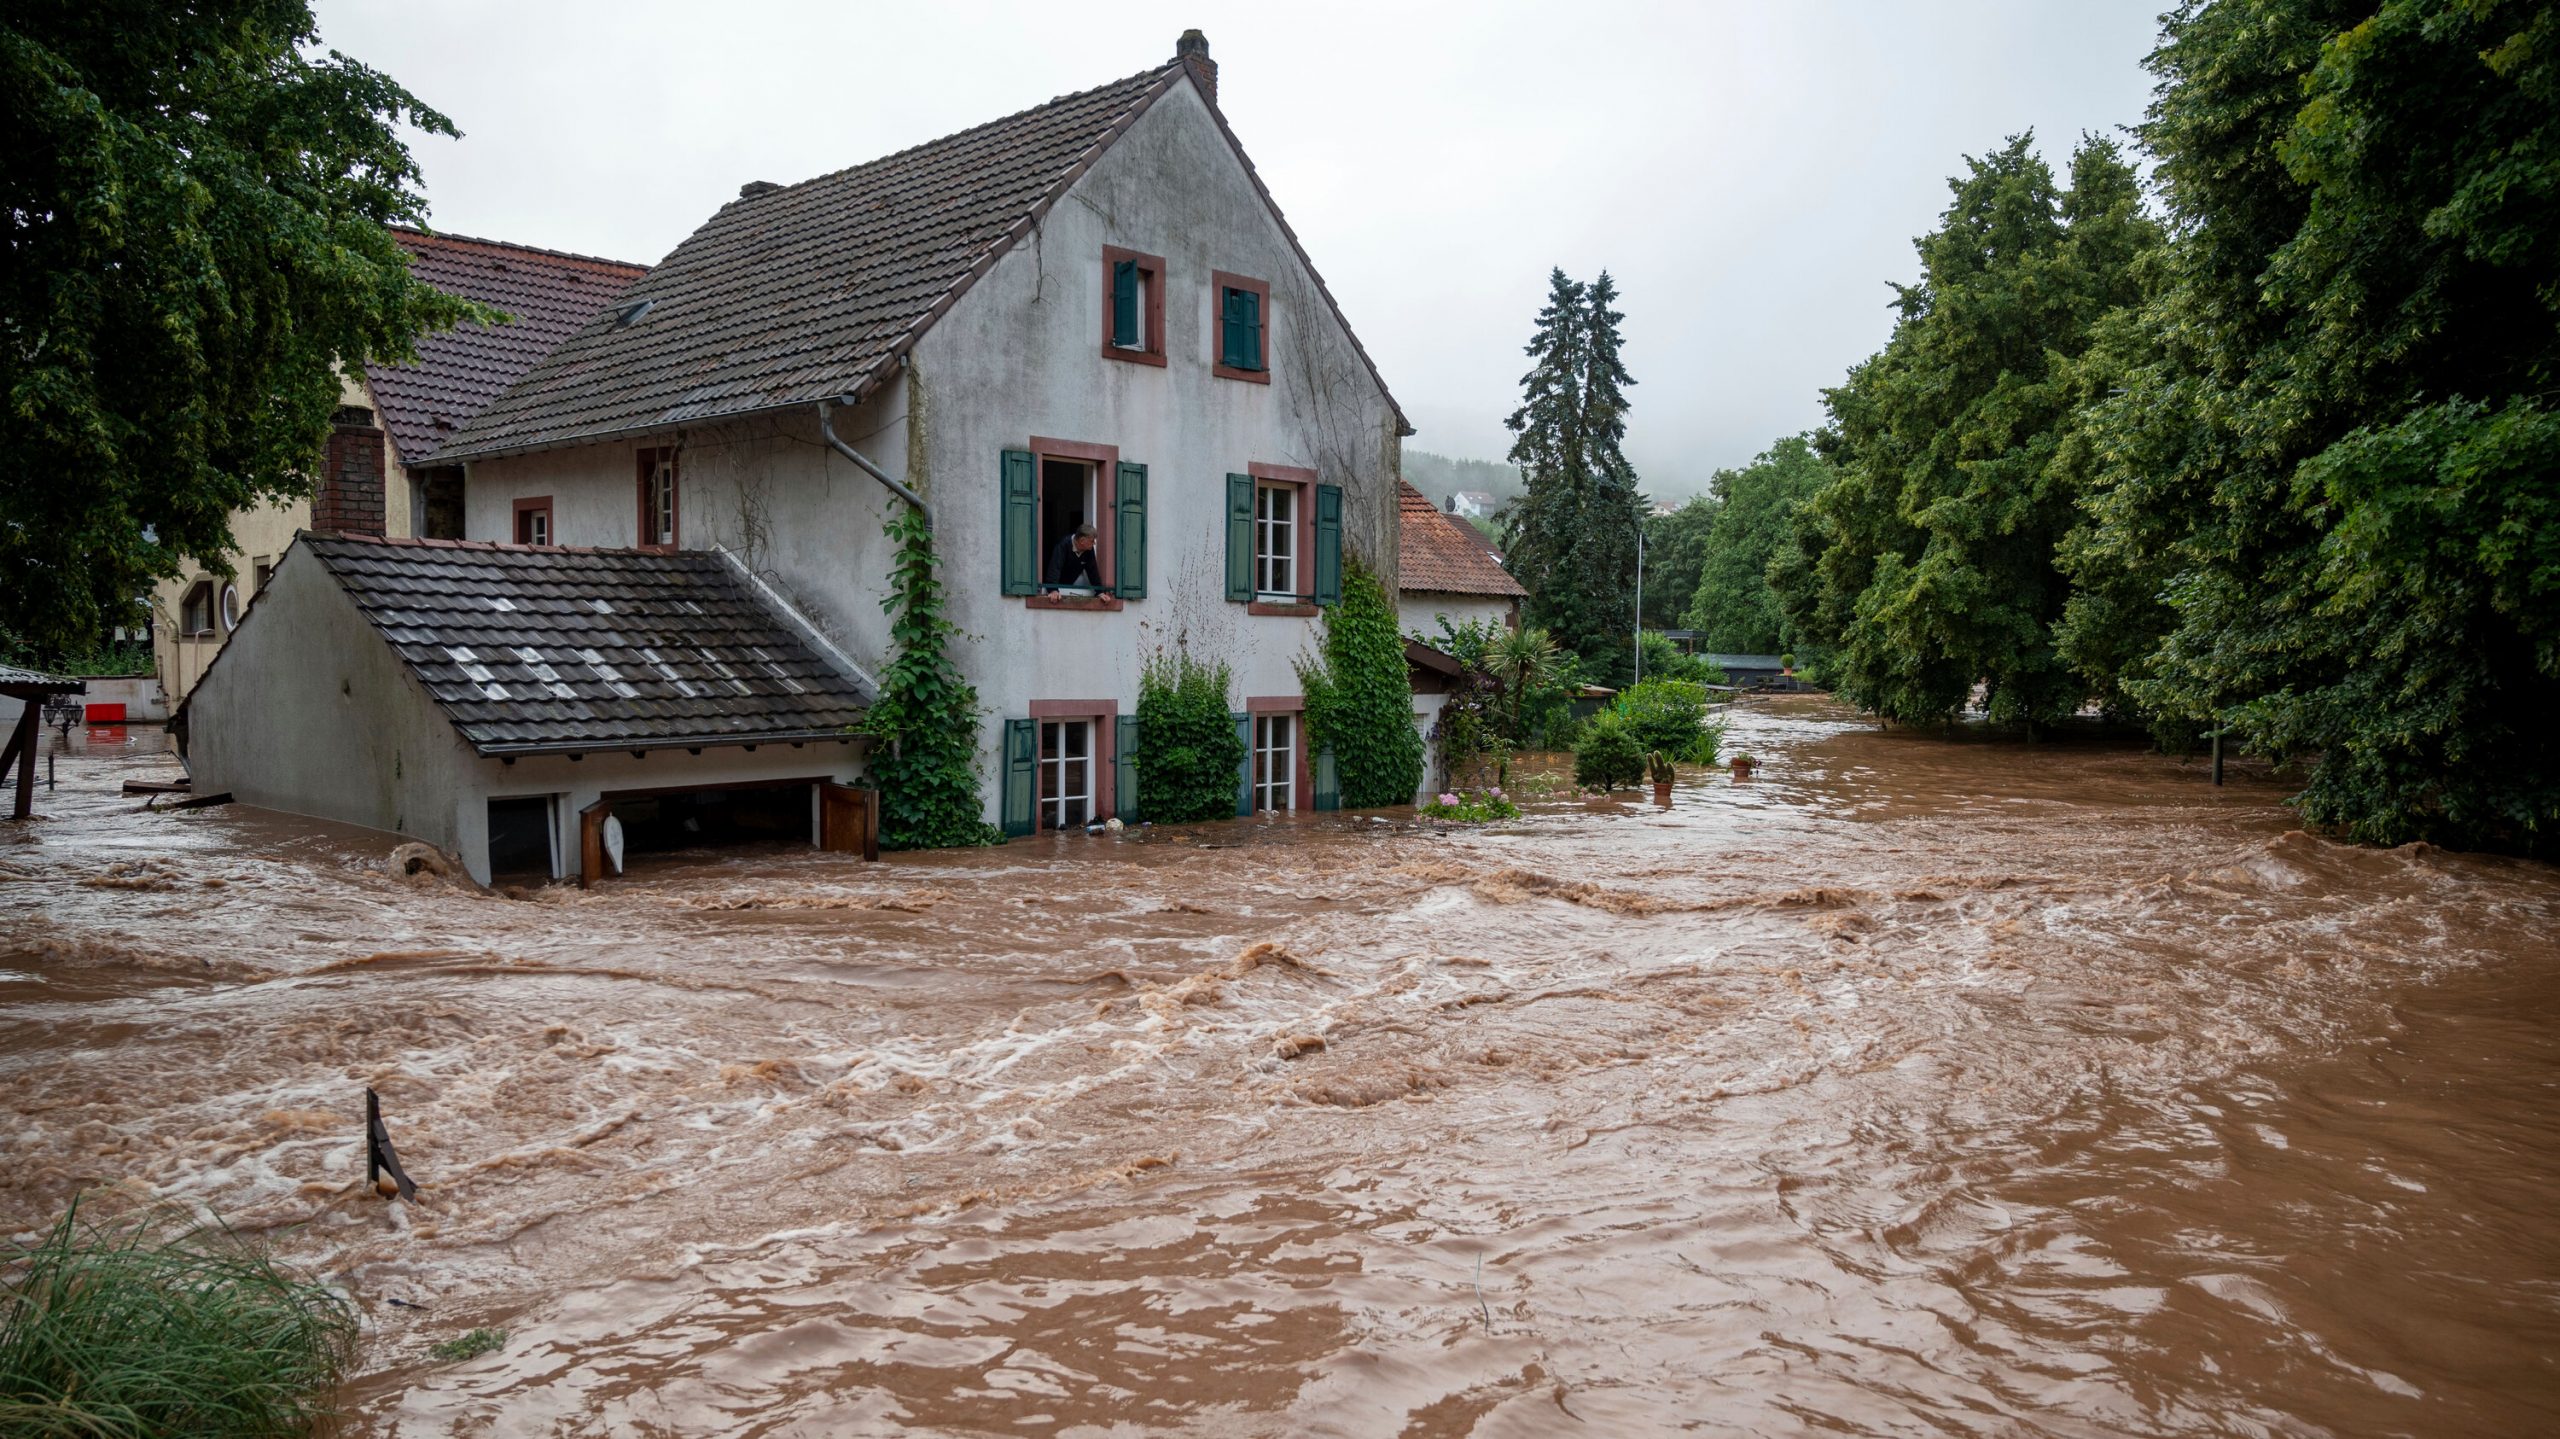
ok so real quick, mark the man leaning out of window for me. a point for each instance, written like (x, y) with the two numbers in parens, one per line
(1072, 564)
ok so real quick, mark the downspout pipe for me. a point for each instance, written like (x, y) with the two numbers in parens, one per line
(827, 429)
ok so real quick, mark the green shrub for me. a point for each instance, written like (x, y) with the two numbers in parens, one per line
(1475, 806)
(1360, 697)
(1608, 756)
(469, 1346)
(1663, 661)
(1670, 716)
(1189, 753)
(144, 1324)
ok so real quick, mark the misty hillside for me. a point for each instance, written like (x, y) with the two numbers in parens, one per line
(1439, 477)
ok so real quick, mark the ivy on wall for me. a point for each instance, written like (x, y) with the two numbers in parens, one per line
(1360, 698)
(1189, 752)
(925, 726)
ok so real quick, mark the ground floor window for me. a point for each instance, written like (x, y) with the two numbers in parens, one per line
(1066, 773)
(520, 836)
(1275, 761)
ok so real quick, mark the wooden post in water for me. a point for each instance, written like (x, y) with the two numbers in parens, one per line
(379, 1157)
(2217, 759)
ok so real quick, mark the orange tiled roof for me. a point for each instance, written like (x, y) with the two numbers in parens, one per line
(1442, 553)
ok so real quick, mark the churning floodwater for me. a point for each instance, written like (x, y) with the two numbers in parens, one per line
(1915, 1086)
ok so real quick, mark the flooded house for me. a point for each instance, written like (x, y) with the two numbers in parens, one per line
(380, 474)
(1081, 338)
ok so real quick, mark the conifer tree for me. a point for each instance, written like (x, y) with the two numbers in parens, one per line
(1612, 514)
(1538, 527)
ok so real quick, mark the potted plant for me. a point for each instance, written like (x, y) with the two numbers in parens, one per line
(1743, 765)
(1658, 765)
(1787, 665)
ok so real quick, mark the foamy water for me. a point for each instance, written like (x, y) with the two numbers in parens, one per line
(1913, 1086)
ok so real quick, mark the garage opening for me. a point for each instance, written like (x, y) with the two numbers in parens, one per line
(520, 838)
(691, 819)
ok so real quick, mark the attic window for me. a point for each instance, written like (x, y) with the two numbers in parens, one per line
(625, 316)
(1241, 327)
(1132, 306)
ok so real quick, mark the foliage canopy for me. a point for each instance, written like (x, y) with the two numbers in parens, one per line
(194, 215)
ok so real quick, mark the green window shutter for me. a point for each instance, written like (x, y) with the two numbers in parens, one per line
(1021, 753)
(1124, 767)
(1124, 305)
(1328, 780)
(1129, 558)
(1328, 544)
(1240, 330)
(1021, 523)
(1244, 771)
(1240, 537)
(1252, 331)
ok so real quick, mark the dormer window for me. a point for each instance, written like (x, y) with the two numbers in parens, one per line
(1132, 306)
(1243, 327)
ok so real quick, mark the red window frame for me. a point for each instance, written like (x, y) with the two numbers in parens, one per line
(650, 455)
(1302, 785)
(1150, 306)
(1105, 460)
(532, 505)
(1220, 282)
(1103, 754)
(1304, 542)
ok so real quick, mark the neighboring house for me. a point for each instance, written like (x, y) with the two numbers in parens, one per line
(531, 709)
(380, 474)
(1473, 504)
(1446, 572)
(1090, 312)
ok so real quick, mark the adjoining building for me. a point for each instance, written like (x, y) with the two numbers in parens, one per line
(1446, 572)
(523, 707)
(380, 474)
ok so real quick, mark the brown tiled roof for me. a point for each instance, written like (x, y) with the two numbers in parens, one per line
(1443, 553)
(816, 290)
(530, 649)
(547, 295)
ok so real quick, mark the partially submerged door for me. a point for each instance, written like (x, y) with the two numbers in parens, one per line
(849, 820)
(591, 857)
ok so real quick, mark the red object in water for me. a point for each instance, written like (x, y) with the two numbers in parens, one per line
(106, 714)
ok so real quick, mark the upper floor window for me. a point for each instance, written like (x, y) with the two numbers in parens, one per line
(1275, 542)
(1284, 540)
(1243, 327)
(657, 499)
(1132, 306)
(195, 611)
(533, 521)
(1075, 525)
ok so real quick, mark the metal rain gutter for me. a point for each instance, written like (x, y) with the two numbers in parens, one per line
(826, 428)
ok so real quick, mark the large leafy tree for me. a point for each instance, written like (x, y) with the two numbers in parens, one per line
(1674, 546)
(1571, 537)
(194, 224)
(1932, 564)
(1731, 604)
(2326, 508)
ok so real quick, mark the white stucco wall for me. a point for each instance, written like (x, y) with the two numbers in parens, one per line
(1019, 356)
(309, 712)
(1419, 612)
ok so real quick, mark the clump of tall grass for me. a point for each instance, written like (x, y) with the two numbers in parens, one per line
(145, 1323)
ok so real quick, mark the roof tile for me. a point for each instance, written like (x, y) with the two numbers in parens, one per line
(1443, 553)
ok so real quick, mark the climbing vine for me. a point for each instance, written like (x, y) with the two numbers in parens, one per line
(1360, 698)
(1189, 753)
(925, 726)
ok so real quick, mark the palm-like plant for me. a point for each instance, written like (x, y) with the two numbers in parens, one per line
(1524, 660)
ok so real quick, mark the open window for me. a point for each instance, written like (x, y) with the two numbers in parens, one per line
(1242, 327)
(533, 519)
(658, 498)
(1055, 488)
(1132, 306)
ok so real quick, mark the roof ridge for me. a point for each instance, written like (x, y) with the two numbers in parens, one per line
(423, 233)
(422, 542)
(1050, 103)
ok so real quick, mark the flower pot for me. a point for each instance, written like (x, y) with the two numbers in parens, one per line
(1662, 793)
(1742, 768)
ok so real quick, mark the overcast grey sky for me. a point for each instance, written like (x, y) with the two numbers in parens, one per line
(1752, 173)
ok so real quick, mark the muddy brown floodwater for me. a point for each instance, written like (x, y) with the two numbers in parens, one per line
(1912, 1087)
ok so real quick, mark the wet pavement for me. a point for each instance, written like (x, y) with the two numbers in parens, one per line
(1915, 1086)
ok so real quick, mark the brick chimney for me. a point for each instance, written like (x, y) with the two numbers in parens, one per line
(1193, 51)
(349, 497)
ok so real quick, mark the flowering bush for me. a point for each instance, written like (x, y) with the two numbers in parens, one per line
(1473, 806)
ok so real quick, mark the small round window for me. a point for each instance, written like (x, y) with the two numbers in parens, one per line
(231, 607)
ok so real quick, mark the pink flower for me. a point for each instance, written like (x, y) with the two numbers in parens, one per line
(1449, 799)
